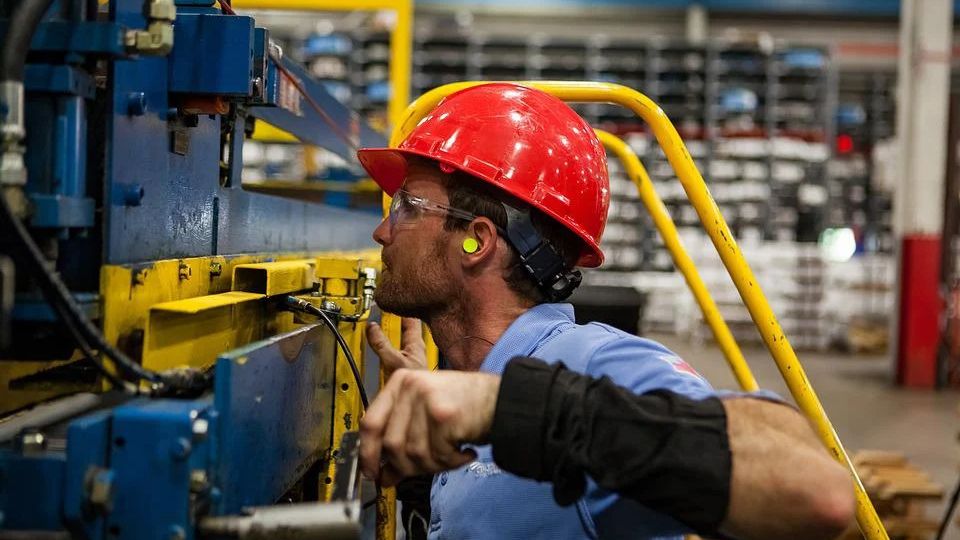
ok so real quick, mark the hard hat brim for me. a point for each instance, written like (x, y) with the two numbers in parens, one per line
(386, 166)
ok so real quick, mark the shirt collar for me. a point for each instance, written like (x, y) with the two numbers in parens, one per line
(526, 333)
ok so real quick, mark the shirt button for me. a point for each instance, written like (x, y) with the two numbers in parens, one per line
(443, 479)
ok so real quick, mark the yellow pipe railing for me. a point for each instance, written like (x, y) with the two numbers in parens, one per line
(723, 240)
(681, 259)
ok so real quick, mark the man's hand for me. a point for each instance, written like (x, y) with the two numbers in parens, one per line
(412, 353)
(419, 420)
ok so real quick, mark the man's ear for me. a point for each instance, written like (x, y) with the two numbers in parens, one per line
(479, 242)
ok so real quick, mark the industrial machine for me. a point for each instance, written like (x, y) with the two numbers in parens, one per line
(181, 356)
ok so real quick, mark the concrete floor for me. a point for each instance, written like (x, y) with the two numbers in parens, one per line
(866, 409)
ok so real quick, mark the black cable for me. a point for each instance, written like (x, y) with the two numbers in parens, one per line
(951, 506)
(57, 293)
(23, 24)
(303, 305)
(13, 56)
(92, 355)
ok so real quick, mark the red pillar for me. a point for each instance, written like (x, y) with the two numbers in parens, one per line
(920, 308)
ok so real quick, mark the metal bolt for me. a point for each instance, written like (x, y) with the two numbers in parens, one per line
(136, 103)
(132, 194)
(331, 306)
(198, 481)
(275, 50)
(100, 488)
(32, 442)
(215, 269)
(181, 449)
(200, 428)
(184, 271)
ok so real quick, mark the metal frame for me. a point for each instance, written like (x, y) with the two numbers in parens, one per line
(401, 50)
(671, 239)
(401, 47)
(719, 232)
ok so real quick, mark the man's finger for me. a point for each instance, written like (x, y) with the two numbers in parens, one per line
(446, 450)
(419, 448)
(378, 340)
(390, 357)
(411, 335)
(395, 436)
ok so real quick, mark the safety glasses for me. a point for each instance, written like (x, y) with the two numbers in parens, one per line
(407, 208)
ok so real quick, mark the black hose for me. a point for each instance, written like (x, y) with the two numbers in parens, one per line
(57, 294)
(303, 305)
(13, 56)
(23, 24)
(90, 354)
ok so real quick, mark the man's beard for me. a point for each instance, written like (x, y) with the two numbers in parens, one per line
(419, 292)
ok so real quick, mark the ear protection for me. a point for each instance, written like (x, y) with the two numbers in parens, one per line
(470, 245)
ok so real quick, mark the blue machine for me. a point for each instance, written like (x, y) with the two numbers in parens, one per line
(134, 152)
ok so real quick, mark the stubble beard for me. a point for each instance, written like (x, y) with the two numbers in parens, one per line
(416, 291)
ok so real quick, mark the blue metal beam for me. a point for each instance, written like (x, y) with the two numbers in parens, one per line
(296, 115)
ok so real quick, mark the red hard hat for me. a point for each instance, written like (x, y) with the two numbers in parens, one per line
(522, 140)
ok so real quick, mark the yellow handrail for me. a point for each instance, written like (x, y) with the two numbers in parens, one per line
(681, 259)
(723, 240)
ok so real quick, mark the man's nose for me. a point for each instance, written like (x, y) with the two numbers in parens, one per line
(381, 234)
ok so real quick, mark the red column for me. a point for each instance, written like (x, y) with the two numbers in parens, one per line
(920, 308)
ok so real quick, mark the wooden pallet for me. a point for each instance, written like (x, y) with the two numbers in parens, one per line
(900, 492)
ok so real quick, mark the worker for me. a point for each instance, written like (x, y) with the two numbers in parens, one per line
(498, 195)
(668, 452)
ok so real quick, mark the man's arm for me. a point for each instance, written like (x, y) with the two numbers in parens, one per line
(745, 467)
(748, 468)
(785, 484)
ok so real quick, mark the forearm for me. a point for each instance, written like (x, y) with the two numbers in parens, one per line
(661, 449)
(780, 469)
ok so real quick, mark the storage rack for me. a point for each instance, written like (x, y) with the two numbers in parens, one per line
(750, 117)
(866, 116)
(370, 79)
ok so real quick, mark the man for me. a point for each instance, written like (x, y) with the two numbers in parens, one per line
(498, 194)
(550, 424)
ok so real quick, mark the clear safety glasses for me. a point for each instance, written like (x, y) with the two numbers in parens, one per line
(407, 208)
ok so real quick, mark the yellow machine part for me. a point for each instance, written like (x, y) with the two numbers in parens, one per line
(718, 230)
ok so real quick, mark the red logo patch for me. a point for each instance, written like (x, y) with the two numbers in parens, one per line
(680, 366)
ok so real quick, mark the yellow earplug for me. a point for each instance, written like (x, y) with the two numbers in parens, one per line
(470, 245)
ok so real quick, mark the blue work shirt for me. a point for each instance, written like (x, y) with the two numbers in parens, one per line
(481, 501)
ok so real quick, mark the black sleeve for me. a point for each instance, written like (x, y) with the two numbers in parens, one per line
(666, 451)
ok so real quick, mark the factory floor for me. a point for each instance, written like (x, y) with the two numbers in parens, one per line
(866, 409)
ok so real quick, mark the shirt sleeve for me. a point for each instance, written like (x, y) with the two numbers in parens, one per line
(641, 366)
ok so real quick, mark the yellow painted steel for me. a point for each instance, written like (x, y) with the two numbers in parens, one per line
(681, 259)
(716, 227)
(292, 187)
(194, 331)
(347, 408)
(273, 278)
(268, 133)
(17, 394)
